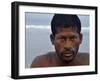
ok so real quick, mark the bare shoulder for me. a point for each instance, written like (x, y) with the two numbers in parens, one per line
(83, 55)
(83, 58)
(42, 60)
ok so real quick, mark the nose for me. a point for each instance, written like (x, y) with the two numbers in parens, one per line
(68, 44)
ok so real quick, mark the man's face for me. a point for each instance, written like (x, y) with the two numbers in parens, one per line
(66, 42)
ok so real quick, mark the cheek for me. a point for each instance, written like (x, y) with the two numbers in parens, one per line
(76, 45)
(58, 46)
(77, 42)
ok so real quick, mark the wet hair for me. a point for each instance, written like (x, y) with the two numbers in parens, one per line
(65, 20)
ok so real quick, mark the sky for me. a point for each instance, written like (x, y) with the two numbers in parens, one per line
(32, 18)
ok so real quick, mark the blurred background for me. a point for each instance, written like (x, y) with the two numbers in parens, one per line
(37, 41)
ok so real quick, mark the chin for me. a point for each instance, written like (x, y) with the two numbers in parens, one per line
(68, 60)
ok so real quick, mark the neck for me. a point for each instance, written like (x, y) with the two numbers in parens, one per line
(64, 63)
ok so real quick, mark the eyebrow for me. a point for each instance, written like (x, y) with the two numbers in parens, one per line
(67, 35)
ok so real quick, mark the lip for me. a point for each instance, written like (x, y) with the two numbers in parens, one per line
(68, 54)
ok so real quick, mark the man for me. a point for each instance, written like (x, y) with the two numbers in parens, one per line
(66, 37)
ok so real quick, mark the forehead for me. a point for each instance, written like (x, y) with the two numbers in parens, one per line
(66, 30)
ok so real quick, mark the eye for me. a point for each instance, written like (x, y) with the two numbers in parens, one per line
(61, 39)
(73, 38)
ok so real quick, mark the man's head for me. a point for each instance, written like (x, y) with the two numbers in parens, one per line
(66, 35)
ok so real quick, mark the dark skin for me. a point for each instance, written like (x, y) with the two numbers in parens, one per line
(66, 42)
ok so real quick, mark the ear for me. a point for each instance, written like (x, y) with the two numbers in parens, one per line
(81, 37)
(52, 38)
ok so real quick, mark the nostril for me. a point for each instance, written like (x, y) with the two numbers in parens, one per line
(67, 47)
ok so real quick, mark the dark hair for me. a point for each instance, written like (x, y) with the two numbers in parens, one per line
(65, 20)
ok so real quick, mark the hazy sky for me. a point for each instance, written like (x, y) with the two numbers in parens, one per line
(45, 19)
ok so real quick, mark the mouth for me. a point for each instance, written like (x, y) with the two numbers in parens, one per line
(68, 54)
